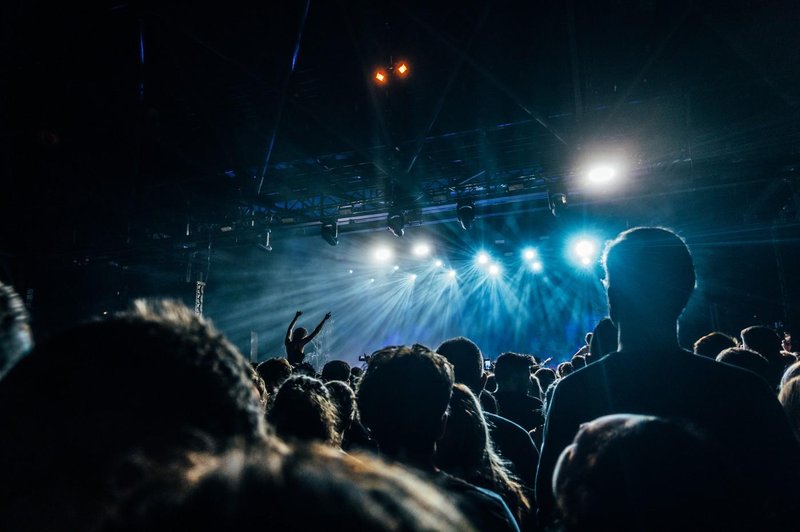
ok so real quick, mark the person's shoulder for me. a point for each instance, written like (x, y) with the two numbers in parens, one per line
(486, 504)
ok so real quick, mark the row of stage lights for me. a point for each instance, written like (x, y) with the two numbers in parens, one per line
(584, 250)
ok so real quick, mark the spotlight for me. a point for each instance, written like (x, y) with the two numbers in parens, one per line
(372, 280)
(451, 274)
(482, 258)
(584, 248)
(421, 250)
(465, 211)
(381, 77)
(402, 69)
(586, 261)
(383, 254)
(413, 276)
(529, 253)
(537, 266)
(396, 222)
(351, 271)
(438, 263)
(601, 174)
(330, 231)
(494, 270)
(396, 267)
(557, 201)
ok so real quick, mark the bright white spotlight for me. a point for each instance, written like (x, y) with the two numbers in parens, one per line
(438, 263)
(601, 174)
(482, 258)
(413, 276)
(529, 253)
(421, 249)
(351, 271)
(396, 267)
(451, 274)
(382, 254)
(537, 266)
(372, 280)
(585, 248)
(586, 261)
(494, 270)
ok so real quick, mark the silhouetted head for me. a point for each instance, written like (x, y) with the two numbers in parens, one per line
(336, 370)
(713, 344)
(762, 340)
(299, 333)
(274, 371)
(631, 472)
(467, 361)
(513, 372)
(151, 381)
(307, 488)
(15, 332)
(790, 373)
(303, 411)
(403, 397)
(747, 359)
(546, 377)
(649, 276)
(789, 397)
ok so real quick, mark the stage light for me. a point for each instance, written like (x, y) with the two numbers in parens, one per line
(402, 69)
(413, 276)
(586, 261)
(438, 263)
(529, 253)
(396, 267)
(585, 248)
(537, 266)
(381, 77)
(451, 274)
(421, 250)
(382, 254)
(465, 212)
(482, 258)
(396, 222)
(372, 280)
(601, 174)
(351, 271)
(330, 231)
(494, 270)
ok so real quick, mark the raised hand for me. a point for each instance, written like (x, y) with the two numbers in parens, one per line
(298, 313)
(328, 316)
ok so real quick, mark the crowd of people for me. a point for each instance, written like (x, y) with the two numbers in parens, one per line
(152, 420)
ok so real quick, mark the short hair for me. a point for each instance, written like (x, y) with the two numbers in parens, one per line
(15, 333)
(762, 340)
(305, 488)
(274, 371)
(747, 359)
(633, 472)
(512, 368)
(303, 411)
(336, 370)
(404, 394)
(713, 344)
(650, 271)
(564, 369)
(546, 377)
(466, 358)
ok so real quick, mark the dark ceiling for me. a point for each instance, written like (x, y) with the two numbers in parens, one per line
(132, 128)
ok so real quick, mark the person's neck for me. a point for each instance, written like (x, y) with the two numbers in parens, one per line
(422, 458)
(648, 335)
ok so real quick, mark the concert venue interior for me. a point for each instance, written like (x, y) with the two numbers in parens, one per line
(258, 158)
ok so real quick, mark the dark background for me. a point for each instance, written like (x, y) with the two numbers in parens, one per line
(148, 145)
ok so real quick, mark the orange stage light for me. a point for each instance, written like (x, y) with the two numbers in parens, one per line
(380, 76)
(402, 69)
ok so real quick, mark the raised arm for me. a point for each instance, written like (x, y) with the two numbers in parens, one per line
(291, 326)
(317, 329)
